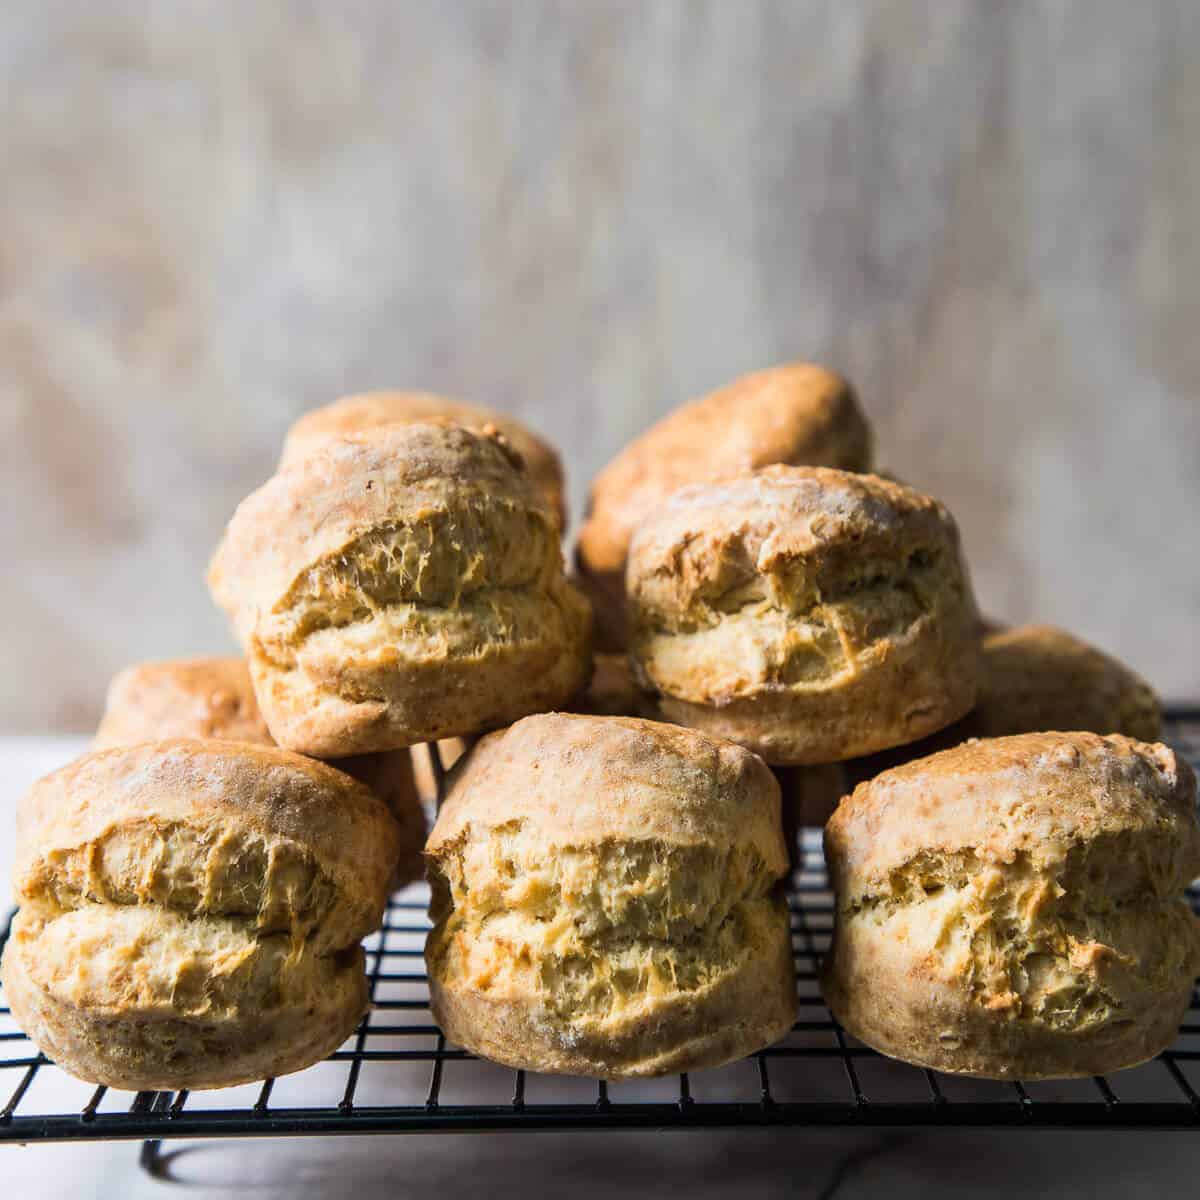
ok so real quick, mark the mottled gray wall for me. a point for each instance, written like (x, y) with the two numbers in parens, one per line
(214, 215)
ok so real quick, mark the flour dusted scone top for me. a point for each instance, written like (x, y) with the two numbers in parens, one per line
(1013, 908)
(371, 410)
(400, 586)
(606, 900)
(191, 912)
(214, 698)
(810, 614)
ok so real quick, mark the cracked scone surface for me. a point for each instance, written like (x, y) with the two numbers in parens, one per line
(191, 913)
(371, 410)
(607, 902)
(797, 413)
(214, 698)
(1013, 908)
(401, 586)
(810, 614)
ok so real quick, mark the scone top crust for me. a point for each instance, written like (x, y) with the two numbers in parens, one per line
(810, 533)
(581, 780)
(1041, 677)
(1035, 796)
(371, 410)
(208, 827)
(187, 697)
(316, 512)
(798, 413)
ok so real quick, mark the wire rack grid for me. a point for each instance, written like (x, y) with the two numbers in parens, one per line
(399, 1074)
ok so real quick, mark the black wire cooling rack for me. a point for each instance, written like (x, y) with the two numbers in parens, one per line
(398, 1074)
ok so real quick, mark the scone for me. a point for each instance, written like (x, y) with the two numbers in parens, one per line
(213, 698)
(606, 900)
(1014, 909)
(798, 413)
(182, 697)
(400, 586)
(370, 410)
(810, 614)
(191, 913)
(1035, 678)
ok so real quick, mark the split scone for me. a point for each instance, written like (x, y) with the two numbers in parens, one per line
(607, 900)
(214, 698)
(401, 586)
(798, 413)
(1014, 908)
(191, 912)
(370, 410)
(811, 615)
(1035, 678)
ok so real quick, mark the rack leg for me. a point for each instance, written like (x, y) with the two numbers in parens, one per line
(151, 1158)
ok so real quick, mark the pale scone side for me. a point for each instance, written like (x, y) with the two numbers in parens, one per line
(810, 614)
(1014, 908)
(191, 913)
(606, 900)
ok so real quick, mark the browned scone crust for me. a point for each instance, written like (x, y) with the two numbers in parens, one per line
(400, 586)
(810, 614)
(798, 413)
(371, 410)
(183, 697)
(214, 698)
(1014, 909)
(1033, 678)
(191, 912)
(606, 900)
(1038, 677)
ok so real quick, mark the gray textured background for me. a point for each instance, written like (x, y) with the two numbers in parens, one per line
(214, 215)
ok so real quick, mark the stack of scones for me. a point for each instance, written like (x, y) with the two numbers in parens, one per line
(754, 623)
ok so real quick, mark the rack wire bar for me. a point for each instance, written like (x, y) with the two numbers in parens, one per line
(398, 1074)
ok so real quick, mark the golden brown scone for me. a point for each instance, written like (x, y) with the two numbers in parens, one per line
(1013, 908)
(606, 900)
(400, 586)
(798, 413)
(810, 614)
(1037, 677)
(185, 697)
(371, 410)
(191, 913)
(1034, 678)
(214, 698)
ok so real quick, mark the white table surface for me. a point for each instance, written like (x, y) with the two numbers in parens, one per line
(745, 1164)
